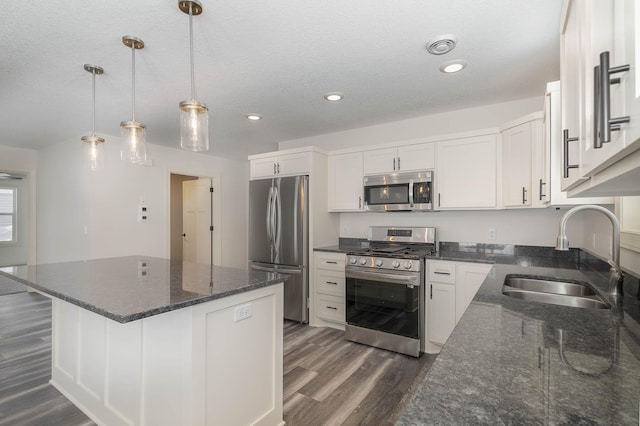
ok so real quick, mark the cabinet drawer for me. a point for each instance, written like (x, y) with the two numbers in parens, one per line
(332, 261)
(330, 308)
(442, 272)
(330, 282)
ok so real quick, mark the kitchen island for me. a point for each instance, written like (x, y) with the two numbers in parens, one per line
(142, 340)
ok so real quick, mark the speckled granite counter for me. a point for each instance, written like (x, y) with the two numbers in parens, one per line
(134, 287)
(510, 361)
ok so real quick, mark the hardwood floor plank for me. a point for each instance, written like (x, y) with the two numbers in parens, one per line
(295, 379)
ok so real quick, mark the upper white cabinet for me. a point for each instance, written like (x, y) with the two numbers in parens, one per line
(402, 158)
(600, 95)
(280, 164)
(517, 150)
(466, 173)
(345, 182)
(553, 155)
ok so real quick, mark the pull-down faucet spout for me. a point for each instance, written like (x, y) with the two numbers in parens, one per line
(615, 274)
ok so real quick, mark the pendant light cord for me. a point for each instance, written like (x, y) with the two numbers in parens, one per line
(193, 85)
(93, 102)
(133, 79)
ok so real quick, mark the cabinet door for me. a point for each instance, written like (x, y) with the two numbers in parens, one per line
(345, 182)
(572, 96)
(466, 173)
(294, 164)
(416, 157)
(470, 277)
(516, 165)
(540, 154)
(380, 161)
(441, 311)
(263, 167)
(611, 28)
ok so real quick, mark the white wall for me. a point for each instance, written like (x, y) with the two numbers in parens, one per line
(429, 125)
(24, 161)
(85, 215)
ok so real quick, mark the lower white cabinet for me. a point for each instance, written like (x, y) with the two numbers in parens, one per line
(450, 288)
(329, 290)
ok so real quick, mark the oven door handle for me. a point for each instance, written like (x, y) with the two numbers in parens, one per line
(412, 279)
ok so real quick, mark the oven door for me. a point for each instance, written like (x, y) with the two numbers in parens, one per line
(384, 301)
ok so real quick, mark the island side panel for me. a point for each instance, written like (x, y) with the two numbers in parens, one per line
(173, 368)
(240, 360)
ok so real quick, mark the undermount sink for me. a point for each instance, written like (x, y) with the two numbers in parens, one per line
(554, 291)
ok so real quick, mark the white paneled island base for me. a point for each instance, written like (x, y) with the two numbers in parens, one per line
(199, 365)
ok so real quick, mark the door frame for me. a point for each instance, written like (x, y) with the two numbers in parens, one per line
(215, 211)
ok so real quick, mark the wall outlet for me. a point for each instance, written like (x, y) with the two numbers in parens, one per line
(242, 312)
(492, 233)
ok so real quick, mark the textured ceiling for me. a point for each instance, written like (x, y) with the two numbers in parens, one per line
(276, 58)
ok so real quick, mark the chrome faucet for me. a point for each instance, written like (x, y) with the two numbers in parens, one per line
(615, 274)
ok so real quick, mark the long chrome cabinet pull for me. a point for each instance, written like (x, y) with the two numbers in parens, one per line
(541, 194)
(608, 124)
(360, 202)
(524, 195)
(394, 164)
(398, 163)
(565, 146)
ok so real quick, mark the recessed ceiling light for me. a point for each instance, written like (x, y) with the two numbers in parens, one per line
(442, 44)
(453, 66)
(254, 117)
(333, 96)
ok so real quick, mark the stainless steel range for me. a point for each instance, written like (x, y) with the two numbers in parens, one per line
(385, 288)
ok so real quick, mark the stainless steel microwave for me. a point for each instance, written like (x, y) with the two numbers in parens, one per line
(393, 192)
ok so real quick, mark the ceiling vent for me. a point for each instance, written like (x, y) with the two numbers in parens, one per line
(442, 44)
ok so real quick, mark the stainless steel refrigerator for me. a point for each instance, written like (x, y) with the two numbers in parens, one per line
(279, 237)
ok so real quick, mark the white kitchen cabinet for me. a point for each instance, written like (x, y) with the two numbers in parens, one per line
(553, 194)
(345, 182)
(450, 288)
(466, 173)
(329, 288)
(280, 164)
(517, 149)
(603, 27)
(403, 158)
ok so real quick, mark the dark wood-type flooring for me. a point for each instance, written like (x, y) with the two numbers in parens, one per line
(327, 380)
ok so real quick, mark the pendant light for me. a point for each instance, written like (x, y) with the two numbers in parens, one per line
(133, 133)
(94, 149)
(194, 116)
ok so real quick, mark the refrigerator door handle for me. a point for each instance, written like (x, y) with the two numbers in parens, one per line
(277, 224)
(269, 229)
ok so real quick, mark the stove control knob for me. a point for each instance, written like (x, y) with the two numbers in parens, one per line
(353, 260)
(379, 262)
(408, 264)
(395, 264)
(363, 261)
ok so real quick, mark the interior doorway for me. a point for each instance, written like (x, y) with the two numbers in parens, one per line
(192, 223)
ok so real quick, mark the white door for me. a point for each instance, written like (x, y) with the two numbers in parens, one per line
(14, 229)
(196, 221)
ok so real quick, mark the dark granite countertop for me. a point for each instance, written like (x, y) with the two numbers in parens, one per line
(134, 287)
(510, 361)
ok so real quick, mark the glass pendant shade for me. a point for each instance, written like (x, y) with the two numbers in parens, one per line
(93, 152)
(133, 147)
(194, 126)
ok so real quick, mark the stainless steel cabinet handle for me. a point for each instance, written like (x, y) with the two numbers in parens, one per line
(441, 273)
(524, 195)
(394, 164)
(331, 282)
(430, 291)
(597, 108)
(540, 191)
(332, 307)
(274, 168)
(333, 262)
(278, 168)
(438, 199)
(398, 163)
(565, 149)
(608, 124)
(360, 202)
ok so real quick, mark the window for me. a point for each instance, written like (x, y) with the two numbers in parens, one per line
(7, 215)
